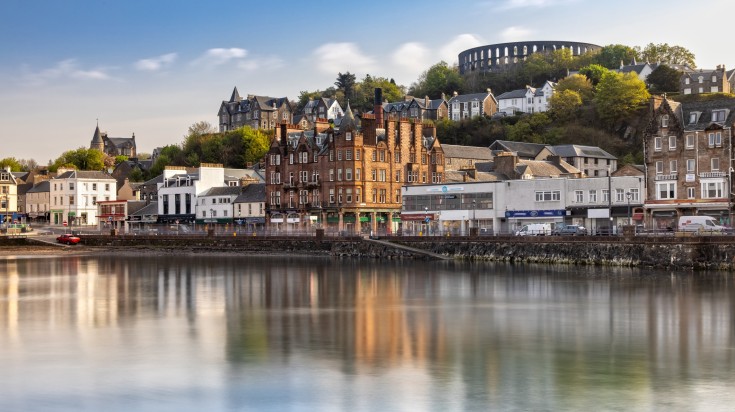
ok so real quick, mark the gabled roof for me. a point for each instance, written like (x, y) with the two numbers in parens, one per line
(43, 186)
(147, 210)
(636, 68)
(703, 110)
(223, 191)
(136, 205)
(523, 149)
(254, 192)
(463, 98)
(573, 150)
(467, 152)
(85, 174)
(267, 103)
(516, 94)
(545, 168)
(121, 141)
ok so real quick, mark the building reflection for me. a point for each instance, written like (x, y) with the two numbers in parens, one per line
(449, 322)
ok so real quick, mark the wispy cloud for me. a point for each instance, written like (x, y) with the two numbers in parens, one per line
(66, 69)
(335, 58)
(219, 56)
(450, 51)
(514, 33)
(266, 62)
(520, 4)
(154, 64)
(412, 56)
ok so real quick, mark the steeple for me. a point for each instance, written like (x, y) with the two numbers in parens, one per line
(348, 120)
(97, 142)
(235, 96)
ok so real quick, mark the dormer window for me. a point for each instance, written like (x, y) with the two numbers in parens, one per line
(701, 79)
(714, 79)
(686, 80)
(348, 136)
(718, 115)
(665, 120)
(692, 118)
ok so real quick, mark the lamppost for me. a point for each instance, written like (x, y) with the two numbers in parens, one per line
(474, 207)
(628, 195)
(426, 219)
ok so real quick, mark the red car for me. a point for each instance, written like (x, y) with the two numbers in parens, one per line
(69, 239)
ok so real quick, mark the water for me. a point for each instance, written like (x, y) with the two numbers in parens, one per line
(221, 333)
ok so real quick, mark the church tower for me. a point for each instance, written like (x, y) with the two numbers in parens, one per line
(97, 142)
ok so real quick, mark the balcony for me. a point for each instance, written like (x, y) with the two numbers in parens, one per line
(712, 174)
(672, 176)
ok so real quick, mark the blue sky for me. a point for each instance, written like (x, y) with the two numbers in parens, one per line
(155, 67)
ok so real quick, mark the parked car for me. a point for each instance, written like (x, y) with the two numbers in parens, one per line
(569, 230)
(68, 239)
(534, 229)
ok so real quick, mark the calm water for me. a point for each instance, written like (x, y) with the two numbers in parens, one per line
(271, 334)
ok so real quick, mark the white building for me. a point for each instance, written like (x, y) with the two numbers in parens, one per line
(542, 96)
(249, 207)
(504, 206)
(216, 204)
(8, 196)
(73, 195)
(528, 100)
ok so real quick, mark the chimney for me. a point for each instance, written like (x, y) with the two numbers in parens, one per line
(378, 108)
(505, 163)
(455, 94)
(489, 91)
(444, 96)
(426, 101)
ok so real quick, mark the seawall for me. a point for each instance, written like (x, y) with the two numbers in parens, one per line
(668, 252)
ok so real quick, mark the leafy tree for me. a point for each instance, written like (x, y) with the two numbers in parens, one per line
(593, 72)
(664, 79)
(577, 83)
(80, 159)
(365, 92)
(201, 128)
(15, 165)
(619, 95)
(612, 55)
(529, 128)
(170, 155)
(667, 54)
(119, 159)
(136, 175)
(438, 79)
(564, 105)
(143, 155)
(346, 83)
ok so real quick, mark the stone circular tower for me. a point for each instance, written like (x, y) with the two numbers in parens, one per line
(501, 56)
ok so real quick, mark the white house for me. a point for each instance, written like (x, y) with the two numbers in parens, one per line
(216, 204)
(542, 96)
(520, 100)
(249, 207)
(73, 195)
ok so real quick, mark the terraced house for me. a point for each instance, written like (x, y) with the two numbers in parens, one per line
(258, 112)
(349, 179)
(688, 159)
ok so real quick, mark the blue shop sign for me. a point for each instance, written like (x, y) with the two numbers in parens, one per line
(534, 213)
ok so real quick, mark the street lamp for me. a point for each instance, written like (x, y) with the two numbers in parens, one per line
(426, 219)
(628, 195)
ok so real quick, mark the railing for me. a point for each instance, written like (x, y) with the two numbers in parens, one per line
(712, 174)
(672, 176)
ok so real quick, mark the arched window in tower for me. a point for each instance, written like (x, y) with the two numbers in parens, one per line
(515, 50)
(525, 50)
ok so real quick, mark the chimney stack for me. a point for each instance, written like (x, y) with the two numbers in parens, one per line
(378, 107)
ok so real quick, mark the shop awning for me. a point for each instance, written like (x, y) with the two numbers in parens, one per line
(637, 216)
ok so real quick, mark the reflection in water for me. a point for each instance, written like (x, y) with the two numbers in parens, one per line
(224, 333)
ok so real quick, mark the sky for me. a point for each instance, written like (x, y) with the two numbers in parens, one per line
(153, 68)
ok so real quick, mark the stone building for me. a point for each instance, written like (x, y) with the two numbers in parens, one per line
(349, 179)
(705, 81)
(417, 109)
(113, 146)
(688, 152)
(465, 106)
(258, 112)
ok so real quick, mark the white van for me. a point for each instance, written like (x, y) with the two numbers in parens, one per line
(535, 229)
(699, 224)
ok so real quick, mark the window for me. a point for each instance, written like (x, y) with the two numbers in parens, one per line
(358, 195)
(659, 167)
(339, 155)
(375, 155)
(690, 141)
(71, 200)
(714, 79)
(665, 120)
(348, 154)
(304, 157)
(331, 175)
(339, 175)
(672, 142)
(665, 191)
(331, 195)
(605, 196)
(357, 154)
(358, 174)
(691, 164)
(348, 195)
(593, 196)
(701, 79)
(715, 139)
(715, 164)
(423, 177)
(94, 186)
(290, 158)
(635, 195)
(304, 176)
(579, 196)
(276, 198)
(331, 155)
(686, 80)
(381, 175)
(348, 174)
(691, 193)
(657, 143)
(348, 136)
(374, 175)
(718, 115)
(692, 118)
(619, 195)
(397, 157)
(547, 196)
(398, 175)
(712, 190)
(382, 155)
(673, 167)
(107, 187)
(71, 186)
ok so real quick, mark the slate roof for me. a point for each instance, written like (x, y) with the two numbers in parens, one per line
(515, 94)
(251, 193)
(147, 210)
(456, 176)
(523, 149)
(544, 168)
(467, 152)
(464, 98)
(85, 174)
(136, 205)
(44, 186)
(573, 150)
(637, 68)
(223, 191)
(704, 109)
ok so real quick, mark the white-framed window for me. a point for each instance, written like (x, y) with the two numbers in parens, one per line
(712, 190)
(331, 195)
(358, 174)
(714, 89)
(715, 164)
(339, 155)
(657, 145)
(304, 157)
(690, 141)
(348, 174)
(673, 166)
(665, 120)
(592, 196)
(691, 193)
(290, 158)
(605, 196)
(672, 142)
(348, 154)
(339, 175)
(665, 190)
(659, 167)
(714, 79)
(686, 80)
(635, 194)
(331, 175)
(619, 195)
(381, 175)
(701, 79)
(718, 115)
(348, 195)
(715, 139)
(304, 175)
(691, 165)
(547, 195)
(374, 174)
(579, 196)
(348, 136)
(692, 118)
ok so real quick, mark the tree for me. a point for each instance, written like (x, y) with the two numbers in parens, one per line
(612, 55)
(201, 128)
(346, 83)
(15, 165)
(664, 79)
(440, 78)
(667, 54)
(119, 159)
(593, 72)
(364, 96)
(619, 95)
(577, 83)
(564, 105)
(80, 159)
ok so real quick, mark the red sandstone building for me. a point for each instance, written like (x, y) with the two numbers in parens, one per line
(348, 179)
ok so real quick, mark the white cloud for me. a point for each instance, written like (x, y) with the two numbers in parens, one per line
(515, 33)
(520, 4)
(156, 63)
(412, 56)
(66, 69)
(267, 62)
(336, 58)
(451, 50)
(219, 56)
